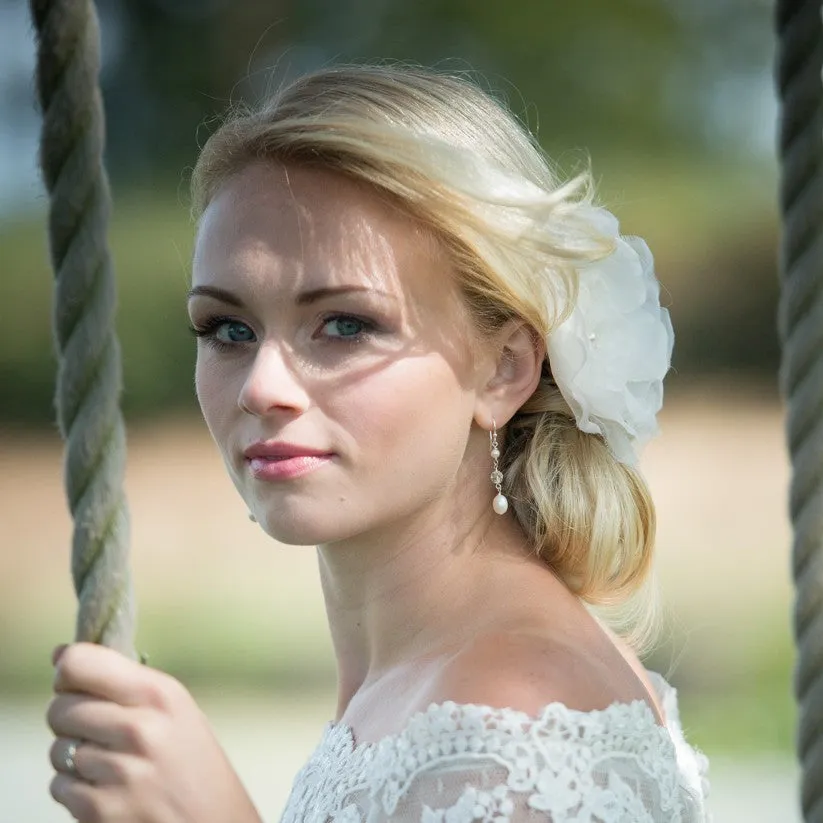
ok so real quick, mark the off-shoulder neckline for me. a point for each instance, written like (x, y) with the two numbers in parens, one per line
(638, 712)
(665, 693)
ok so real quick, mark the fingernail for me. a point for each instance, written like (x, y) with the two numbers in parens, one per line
(58, 653)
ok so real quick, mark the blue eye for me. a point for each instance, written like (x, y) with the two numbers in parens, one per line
(223, 332)
(234, 332)
(345, 326)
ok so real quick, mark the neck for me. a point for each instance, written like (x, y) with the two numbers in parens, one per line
(417, 588)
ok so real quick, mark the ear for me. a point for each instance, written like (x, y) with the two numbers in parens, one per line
(514, 374)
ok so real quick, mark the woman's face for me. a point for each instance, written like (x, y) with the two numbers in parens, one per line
(334, 344)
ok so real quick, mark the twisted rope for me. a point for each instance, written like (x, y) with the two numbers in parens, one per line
(89, 372)
(800, 61)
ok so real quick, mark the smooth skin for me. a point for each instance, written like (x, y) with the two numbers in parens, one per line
(329, 319)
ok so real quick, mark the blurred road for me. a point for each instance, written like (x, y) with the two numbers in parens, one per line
(269, 746)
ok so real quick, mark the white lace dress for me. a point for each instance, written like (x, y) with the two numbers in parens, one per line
(461, 763)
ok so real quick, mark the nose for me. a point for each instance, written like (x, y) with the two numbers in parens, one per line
(273, 384)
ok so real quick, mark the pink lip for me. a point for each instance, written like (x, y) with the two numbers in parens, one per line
(274, 460)
(285, 468)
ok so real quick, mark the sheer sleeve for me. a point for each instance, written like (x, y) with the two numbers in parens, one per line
(611, 791)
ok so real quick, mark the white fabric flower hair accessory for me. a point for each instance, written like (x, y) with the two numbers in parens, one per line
(609, 357)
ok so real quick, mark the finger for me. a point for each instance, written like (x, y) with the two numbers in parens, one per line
(89, 718)
(63, 755)
(84, 801)
(92, 763)
(104, 673)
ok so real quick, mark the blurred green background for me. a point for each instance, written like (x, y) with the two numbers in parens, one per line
(672, 101)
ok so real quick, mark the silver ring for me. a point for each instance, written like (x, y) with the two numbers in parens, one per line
(69, 758)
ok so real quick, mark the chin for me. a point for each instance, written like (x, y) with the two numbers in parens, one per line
(314, 526)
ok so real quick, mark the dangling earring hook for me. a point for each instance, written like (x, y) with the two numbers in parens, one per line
(500, 503)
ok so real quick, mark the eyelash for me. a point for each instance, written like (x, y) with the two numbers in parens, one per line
(207, 331)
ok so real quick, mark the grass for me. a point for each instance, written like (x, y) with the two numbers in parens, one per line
(211, 647)
(754, 714)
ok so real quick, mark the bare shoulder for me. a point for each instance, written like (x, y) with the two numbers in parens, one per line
(527, 671)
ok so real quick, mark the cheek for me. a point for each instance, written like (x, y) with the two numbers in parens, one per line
(410, 420)
(204, 387)
(215, 395)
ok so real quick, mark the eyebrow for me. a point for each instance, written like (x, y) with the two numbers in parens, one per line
(303, 299)
(218, 294)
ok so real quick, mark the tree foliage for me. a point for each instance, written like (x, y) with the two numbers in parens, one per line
(629, 76)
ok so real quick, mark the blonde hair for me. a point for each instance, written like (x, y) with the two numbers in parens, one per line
(456, 160)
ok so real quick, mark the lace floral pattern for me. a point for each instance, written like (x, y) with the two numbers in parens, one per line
(462, 763)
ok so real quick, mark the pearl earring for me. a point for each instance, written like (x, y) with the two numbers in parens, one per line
(500, 503)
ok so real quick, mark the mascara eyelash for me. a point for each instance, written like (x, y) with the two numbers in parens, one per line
(207, 333)
(209, 325)
(368, 327)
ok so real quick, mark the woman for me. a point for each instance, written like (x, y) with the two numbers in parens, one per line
(420, 353)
